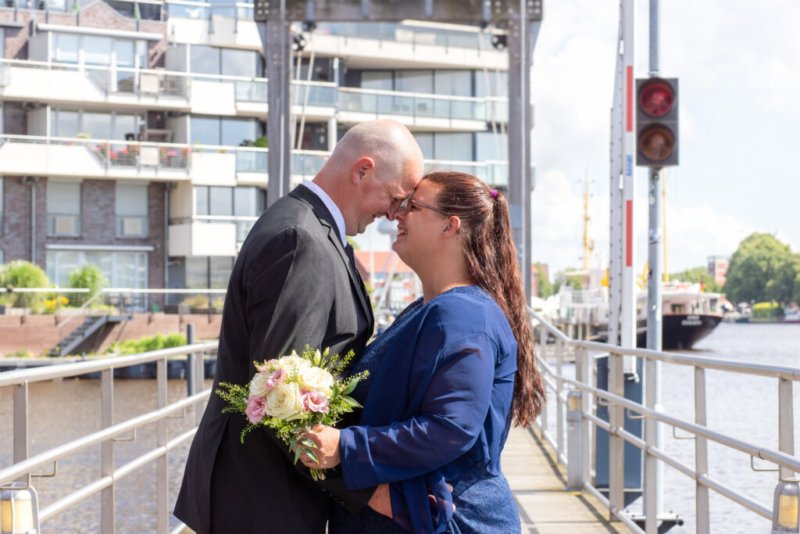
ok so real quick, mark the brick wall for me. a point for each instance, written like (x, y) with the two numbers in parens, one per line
(39, 333)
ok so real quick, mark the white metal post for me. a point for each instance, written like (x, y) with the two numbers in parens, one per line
(702, 508)
(21, 426)
(162, 474)
(107, 452)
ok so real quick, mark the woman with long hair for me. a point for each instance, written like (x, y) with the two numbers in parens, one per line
(447, 379)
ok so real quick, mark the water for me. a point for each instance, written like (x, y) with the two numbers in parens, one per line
(744, 407)
(62, 411)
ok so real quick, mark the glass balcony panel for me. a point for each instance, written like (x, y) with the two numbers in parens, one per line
(173, 157)
(252, 161)
(305, 164)
(251, 91)
(242, 229)
(187, 11)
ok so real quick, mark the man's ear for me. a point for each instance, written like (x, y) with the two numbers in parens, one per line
(360, 169)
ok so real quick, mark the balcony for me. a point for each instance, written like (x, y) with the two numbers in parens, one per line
(492, 172)
(413, 44)
(424, 111)
(93, 158)
(60, 83)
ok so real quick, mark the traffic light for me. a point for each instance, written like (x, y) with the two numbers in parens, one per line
(657, 122)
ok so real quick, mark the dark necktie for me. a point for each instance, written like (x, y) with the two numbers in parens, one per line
(351, 255)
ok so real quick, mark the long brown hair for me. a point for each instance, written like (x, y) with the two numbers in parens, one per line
(491, 258)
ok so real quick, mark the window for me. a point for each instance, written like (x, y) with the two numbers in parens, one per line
(414, 81)
(229, 201)
(97, 50)
(453, 146)
(491, 146)
(121, 269)
(220, 201)
(378, 80)
(114, 125)
(227, 61)
(131, 210)
(425, 141)
(491, 84)
(63, 208)
(224, 131)
(453, 82)
(208, 272)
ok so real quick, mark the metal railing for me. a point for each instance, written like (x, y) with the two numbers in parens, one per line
(575, 401)
(24, 466)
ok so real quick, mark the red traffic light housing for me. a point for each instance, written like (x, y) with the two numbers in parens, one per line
(657, 122)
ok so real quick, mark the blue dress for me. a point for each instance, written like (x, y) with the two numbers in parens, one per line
(437, 410)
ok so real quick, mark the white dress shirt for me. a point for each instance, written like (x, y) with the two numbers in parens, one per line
(338, 218)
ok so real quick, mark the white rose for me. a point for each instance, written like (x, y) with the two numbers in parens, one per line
(284, 402)
(258, 385)
(316, 378)
(292, 363)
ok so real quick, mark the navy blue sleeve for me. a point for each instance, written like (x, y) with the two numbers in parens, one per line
(455, 382)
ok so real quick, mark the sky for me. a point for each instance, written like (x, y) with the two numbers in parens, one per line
(739, 69)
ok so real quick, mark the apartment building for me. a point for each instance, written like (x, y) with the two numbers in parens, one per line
(134, 133)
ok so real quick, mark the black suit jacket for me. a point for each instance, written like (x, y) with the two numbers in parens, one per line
(292, 286)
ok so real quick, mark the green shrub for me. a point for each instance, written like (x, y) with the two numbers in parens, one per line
(24, 274)
(148, 344)
(87, 277)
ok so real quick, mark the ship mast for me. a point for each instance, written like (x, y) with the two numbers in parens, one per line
(588, 244)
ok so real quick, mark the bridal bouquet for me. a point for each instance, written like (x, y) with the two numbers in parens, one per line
(292, 393)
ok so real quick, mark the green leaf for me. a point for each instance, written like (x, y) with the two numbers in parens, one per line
(308, 443)
(312, 456)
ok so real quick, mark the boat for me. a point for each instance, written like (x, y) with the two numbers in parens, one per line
(689, 314)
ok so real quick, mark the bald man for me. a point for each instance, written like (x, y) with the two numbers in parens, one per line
(294, 284)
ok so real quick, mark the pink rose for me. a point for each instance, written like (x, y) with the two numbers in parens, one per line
(276, 378)
(255, 409)
(315, 401)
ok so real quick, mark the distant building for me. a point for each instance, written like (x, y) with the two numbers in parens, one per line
(134, 134)
(376, 267)
(718, 268)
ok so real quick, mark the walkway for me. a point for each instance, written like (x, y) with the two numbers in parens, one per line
(539, 487)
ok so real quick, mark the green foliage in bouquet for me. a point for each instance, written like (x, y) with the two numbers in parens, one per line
(295, 392)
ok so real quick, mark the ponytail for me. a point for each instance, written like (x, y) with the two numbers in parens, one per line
(491, 259)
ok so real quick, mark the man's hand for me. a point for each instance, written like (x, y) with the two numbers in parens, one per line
(381, 500)
(326, 440)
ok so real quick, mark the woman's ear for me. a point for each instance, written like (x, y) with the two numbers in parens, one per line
(453, 226)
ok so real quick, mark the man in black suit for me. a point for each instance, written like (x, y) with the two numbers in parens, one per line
(294, 284)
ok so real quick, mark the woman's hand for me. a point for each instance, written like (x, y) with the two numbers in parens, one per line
(327, 451)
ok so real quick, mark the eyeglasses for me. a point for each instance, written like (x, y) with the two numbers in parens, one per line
(406, 204)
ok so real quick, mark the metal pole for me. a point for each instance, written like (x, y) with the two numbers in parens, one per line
(276, 42)
(653, 480)
(107, 496)
(21, 419)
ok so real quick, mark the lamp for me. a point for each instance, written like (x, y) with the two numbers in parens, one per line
(19, 509)
(786, 507)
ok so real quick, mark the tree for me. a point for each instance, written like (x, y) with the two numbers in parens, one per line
(89, 277)
(546, 288)
(697, 275)
(24, 274)
(762, 269)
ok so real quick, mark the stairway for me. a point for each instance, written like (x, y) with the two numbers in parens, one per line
(84, 331)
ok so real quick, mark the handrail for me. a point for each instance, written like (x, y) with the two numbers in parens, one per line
(24, 466)
(45, 458)
(66, 370)
(581, 415)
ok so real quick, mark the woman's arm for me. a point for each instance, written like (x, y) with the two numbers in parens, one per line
(452, 413)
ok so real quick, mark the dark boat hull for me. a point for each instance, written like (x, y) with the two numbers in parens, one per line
(682, 330)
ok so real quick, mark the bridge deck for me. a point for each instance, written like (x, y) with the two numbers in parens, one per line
(538, 484)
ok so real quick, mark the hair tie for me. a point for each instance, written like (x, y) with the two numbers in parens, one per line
(493, 192)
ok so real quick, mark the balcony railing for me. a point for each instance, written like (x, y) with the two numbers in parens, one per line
(414, 104)
(408, 33)
(491, 172)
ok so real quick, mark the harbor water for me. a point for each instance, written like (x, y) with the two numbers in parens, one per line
(741, 406)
